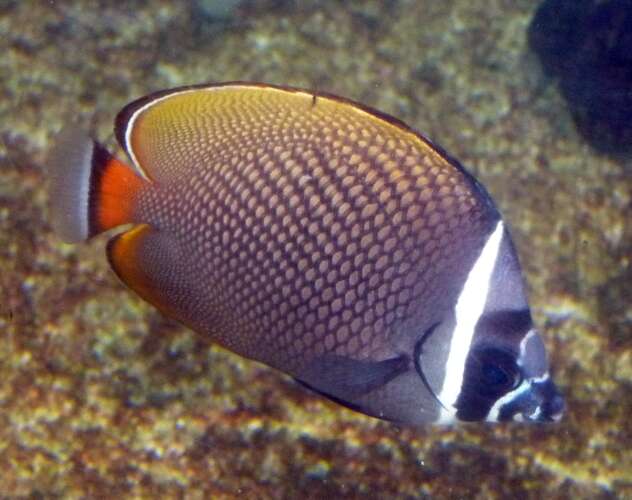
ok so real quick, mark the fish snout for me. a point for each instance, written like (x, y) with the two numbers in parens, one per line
(550, 404)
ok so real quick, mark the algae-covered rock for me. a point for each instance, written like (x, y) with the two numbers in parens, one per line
(100, 396)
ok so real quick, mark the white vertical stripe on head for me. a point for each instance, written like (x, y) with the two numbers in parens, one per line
(469, 307)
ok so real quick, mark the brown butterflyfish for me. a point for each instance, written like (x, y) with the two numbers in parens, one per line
(320, 237)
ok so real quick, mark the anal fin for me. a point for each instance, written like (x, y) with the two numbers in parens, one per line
(150, 263)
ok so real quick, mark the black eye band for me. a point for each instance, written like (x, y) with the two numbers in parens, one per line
(417, 359)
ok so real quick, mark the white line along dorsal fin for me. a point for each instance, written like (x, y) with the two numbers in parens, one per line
(131, 113)
(129, 127)
(469, 308)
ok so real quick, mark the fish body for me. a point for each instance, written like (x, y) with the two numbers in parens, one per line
(320, 237)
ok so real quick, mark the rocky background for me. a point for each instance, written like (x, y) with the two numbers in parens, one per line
(100, 396)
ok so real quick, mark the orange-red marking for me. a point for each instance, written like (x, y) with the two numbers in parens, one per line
(116, 196)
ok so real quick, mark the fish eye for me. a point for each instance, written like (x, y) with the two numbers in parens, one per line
(494, 376)
(498, 371)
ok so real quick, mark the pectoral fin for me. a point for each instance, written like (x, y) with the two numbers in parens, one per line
(345, 380)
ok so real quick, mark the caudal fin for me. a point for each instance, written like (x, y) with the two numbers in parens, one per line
(91, 191)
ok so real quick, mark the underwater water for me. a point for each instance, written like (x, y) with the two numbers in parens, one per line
(102, 396)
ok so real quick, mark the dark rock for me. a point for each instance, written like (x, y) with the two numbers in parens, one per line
(588, 47)
(556, 31)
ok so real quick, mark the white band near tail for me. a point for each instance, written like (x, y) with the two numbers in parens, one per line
(70, 170)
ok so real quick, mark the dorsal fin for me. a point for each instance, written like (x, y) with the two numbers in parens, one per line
(170, 133)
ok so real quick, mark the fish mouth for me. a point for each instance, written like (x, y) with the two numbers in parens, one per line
(536, 400)
(551, 403)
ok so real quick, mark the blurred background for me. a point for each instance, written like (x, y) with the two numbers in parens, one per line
(101, 396)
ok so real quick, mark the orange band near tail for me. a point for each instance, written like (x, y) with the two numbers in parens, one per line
(114, 190)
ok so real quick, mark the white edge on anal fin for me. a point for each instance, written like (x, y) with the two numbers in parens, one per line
(469, 308)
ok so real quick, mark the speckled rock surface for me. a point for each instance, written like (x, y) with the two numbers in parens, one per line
(100, 396)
